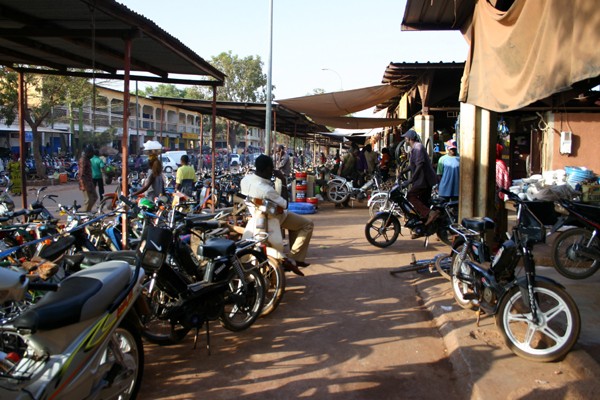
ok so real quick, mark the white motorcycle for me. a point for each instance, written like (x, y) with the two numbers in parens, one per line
(80, 341)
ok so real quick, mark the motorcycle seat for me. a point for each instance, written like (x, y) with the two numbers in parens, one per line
(83, 295)
(478, 224)
(217, 247)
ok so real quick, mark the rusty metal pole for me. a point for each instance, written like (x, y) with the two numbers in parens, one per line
(214, 134)
(21, 109)
(125, 138)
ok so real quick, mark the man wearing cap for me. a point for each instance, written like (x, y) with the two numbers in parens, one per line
(448, 172)
(422, 177)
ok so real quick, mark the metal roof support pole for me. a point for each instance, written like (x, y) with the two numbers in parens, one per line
(201, 163)
(22, 155)
(269, 83)
(294, 141)
(214, 135)
(274, 126)
(125, 138)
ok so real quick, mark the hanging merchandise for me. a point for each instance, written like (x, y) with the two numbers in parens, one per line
(502, 127)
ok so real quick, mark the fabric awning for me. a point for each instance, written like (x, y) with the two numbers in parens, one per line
(528, 53)
(357, 123)
(337, 104)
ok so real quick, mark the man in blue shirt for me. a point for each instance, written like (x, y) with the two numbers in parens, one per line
(448, 172)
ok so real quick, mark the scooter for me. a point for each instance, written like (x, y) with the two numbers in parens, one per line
(80, 341)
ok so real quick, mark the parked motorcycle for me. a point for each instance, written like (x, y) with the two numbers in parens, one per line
(231, 288)
(383, 229)
(538, 319)
(576, 251)
(340, 189)
(79, 342)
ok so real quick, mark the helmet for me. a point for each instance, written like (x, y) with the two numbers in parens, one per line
(147, 204)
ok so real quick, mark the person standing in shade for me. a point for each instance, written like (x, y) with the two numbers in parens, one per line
(86, 181)
(97, 167)
(502, 182)
(384, 164)
(185, 177)
(448, 172)
(422, 178)
(14, 170)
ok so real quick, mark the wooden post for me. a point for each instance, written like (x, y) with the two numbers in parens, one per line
(125, 138)
(22, 154)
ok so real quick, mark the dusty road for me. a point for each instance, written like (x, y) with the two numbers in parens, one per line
(348, 330)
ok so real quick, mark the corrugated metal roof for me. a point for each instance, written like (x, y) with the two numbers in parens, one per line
(406, 76)
(86, 34)
(251, 114)
(436, 14)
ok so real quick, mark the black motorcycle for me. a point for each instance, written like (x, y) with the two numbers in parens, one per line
(576, 251)
(186, 292)
(538, 319)
(383, 228)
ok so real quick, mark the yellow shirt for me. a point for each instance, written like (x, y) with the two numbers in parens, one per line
(185, 172)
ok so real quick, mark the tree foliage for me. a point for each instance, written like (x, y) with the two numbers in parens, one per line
(41, 93)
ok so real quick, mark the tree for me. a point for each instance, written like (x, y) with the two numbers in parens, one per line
(245, 82)
(163, 90)
(41, 94)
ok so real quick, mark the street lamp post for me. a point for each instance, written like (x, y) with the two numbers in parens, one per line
(338, 75)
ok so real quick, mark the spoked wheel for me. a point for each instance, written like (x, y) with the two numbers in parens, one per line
(461, 273)
(157, 327)
(378, 201)
(382, 230)
(126, 352)
(573, 253)
(243, 301)
(555, 332)
(274, 277)
(338, 193)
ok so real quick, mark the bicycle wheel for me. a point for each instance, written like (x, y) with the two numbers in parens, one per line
(243, 301)
(568, 253)
(461, 274)
(556, 331)
(443, 265)
(415, 266)
(338, 193)
(382, 230)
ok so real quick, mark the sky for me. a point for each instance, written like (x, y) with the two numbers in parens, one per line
(325, 44)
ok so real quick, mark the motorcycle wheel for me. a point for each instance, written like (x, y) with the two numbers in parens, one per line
(243, 305)
(274, 277)
(338, 193)
(459, 286)
(157, 329)
(382, 230)
(566, 258)
(130, 355)
(444, 233)
(551, 338)
(379, 201)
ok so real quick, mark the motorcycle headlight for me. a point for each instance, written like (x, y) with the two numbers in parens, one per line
(152, 260)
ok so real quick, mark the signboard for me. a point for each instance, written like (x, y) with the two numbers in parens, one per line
(28, 136)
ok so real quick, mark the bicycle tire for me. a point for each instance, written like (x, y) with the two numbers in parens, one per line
(411, 267)
(443, 265)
